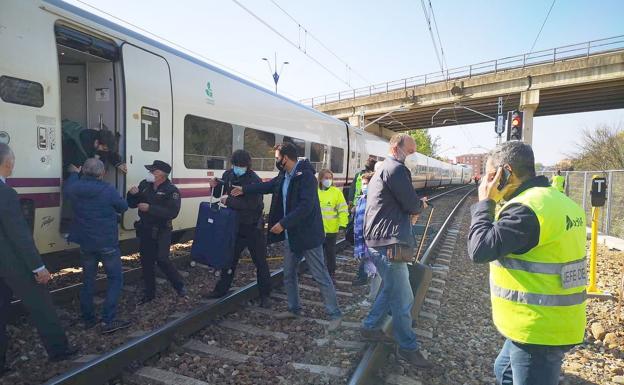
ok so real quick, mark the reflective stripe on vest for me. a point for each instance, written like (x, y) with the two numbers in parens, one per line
(539, 297)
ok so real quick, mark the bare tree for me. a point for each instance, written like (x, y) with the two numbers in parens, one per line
(601, 149)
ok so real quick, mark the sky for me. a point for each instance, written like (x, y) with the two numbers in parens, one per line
(362, 42)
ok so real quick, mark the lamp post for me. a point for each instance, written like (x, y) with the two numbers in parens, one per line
(275, 74)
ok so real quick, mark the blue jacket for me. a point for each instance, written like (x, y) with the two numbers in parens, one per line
(302, 219)
(96, 205)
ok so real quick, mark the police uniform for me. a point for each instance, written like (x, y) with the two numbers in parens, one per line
(154, 229)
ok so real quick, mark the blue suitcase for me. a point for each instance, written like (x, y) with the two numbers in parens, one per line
(215, 235)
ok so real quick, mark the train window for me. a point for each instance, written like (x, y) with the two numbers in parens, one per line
(260, 145)
(318, 156)
(300, 144)
(150, 129)
(20, 91)
(337, 159)
(207, 143)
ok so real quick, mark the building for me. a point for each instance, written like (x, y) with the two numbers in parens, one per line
(476, 161)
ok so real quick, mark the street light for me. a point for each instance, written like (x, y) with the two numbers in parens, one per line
(401, 108)
(275, 74)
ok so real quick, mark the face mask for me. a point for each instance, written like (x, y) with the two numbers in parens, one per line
(238, 171)
(279, 165)
(364, 189)
(150, 178)
(326, 183)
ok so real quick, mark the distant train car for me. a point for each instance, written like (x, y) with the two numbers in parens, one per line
(64, 63)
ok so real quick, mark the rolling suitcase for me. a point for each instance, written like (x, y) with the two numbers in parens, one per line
(215, 235)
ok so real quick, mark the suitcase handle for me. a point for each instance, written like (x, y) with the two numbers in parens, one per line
(218, 203)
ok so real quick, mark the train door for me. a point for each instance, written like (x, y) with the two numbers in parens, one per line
(148, 115)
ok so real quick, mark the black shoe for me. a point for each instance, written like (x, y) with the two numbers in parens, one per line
(215, 294)
(375, 335)
(114, 326)
(265, 302)
(69, 352)
(145, 299)
(359, 281)
(414, 358)
(182, 293)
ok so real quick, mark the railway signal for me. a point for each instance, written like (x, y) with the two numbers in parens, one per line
(515, 122)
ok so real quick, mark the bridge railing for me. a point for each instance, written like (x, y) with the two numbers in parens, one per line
(552, 55)
(577, 187)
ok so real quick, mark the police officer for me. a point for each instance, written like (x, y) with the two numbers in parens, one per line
(158, 201)
(558, 182)
(537, 266)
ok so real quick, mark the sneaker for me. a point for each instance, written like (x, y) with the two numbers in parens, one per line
(375, 335)
(414, 358)
(265, 302)
(365, 303)
(114, 326)
(69, 352)
(359, 281)
(334, 324)
(215, 295)
(286, 315)
(146, 299)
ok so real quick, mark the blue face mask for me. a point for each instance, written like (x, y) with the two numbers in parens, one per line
(238, 171)
(364, 189)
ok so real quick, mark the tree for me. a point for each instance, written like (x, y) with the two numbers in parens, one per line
(424, 143)
(601, 149)
(539, 167)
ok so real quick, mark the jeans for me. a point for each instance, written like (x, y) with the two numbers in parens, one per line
(395, 296)
(523, 364)
(361, 273)
(111, 259)
(316, 264)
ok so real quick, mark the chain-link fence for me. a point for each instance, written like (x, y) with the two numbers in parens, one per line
(578, 186)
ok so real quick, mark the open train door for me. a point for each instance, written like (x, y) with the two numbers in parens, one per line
(148, 115)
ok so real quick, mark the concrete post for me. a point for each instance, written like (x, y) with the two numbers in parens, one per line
(529, 100)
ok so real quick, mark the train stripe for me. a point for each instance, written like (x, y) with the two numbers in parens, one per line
(43, 200)
(34, 182)
(195, 192)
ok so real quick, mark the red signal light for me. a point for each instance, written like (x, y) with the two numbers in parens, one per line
(515, 121)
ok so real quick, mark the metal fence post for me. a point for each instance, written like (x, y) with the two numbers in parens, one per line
(607, 229)
(470, 71)
(523, 60)
(588, 47)
(554, 55)
(584, 190)
(425, 79)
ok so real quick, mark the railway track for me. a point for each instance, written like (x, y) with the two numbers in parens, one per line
(243, 339)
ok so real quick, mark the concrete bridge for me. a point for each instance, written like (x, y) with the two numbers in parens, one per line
(582, 77)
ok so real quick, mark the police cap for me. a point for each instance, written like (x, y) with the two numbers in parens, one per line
(159, 165)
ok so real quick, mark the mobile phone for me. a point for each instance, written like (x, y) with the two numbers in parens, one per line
(504, 178)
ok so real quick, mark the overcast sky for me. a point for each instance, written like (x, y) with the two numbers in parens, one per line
(381, 41)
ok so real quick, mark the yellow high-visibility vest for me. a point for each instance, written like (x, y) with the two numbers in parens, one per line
(334, 209)
(539, 297)
(558, 182)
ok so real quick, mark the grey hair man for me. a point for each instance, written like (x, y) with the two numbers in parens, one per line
(535, 244)
(22, 272)
(97, 206)
(391, 202)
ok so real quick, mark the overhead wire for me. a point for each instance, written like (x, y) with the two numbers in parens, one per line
(308, 33)
(179, 46)
(298, 47)
(435, 45)
(542, 27)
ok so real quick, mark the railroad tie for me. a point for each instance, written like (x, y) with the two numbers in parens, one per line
(396, 379)
(153, 376)
(320, 369)
(205, 350)
(253, 330)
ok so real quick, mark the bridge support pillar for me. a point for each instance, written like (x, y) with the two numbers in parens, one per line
(375, 129)
(529, 100)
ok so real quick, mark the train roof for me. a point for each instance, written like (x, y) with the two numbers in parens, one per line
(162, 46)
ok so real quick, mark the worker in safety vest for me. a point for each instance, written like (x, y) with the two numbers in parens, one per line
(335, 213)
(535, 245)
(558, 182)
(356, 188)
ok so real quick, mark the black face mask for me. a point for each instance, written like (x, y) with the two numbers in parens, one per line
(279, 165)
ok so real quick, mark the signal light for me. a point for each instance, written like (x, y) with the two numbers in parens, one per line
(515, 120)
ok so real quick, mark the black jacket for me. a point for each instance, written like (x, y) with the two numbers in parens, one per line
(391, 199)
(302, 219)
(516, 231)
(249, 207)
(18, 254)
(164, 204)
(74, 155)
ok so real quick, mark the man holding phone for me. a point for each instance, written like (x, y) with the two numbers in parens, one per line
(535, 244)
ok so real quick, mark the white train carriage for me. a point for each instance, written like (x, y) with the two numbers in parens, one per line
(62, 62)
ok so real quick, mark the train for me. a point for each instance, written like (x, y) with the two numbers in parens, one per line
(63, 63)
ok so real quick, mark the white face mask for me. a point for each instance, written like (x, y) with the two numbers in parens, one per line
(326, 183)
(364, 189)
(150, 178)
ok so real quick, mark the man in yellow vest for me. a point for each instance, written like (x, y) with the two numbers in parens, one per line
(558, 182)
(535, 244)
